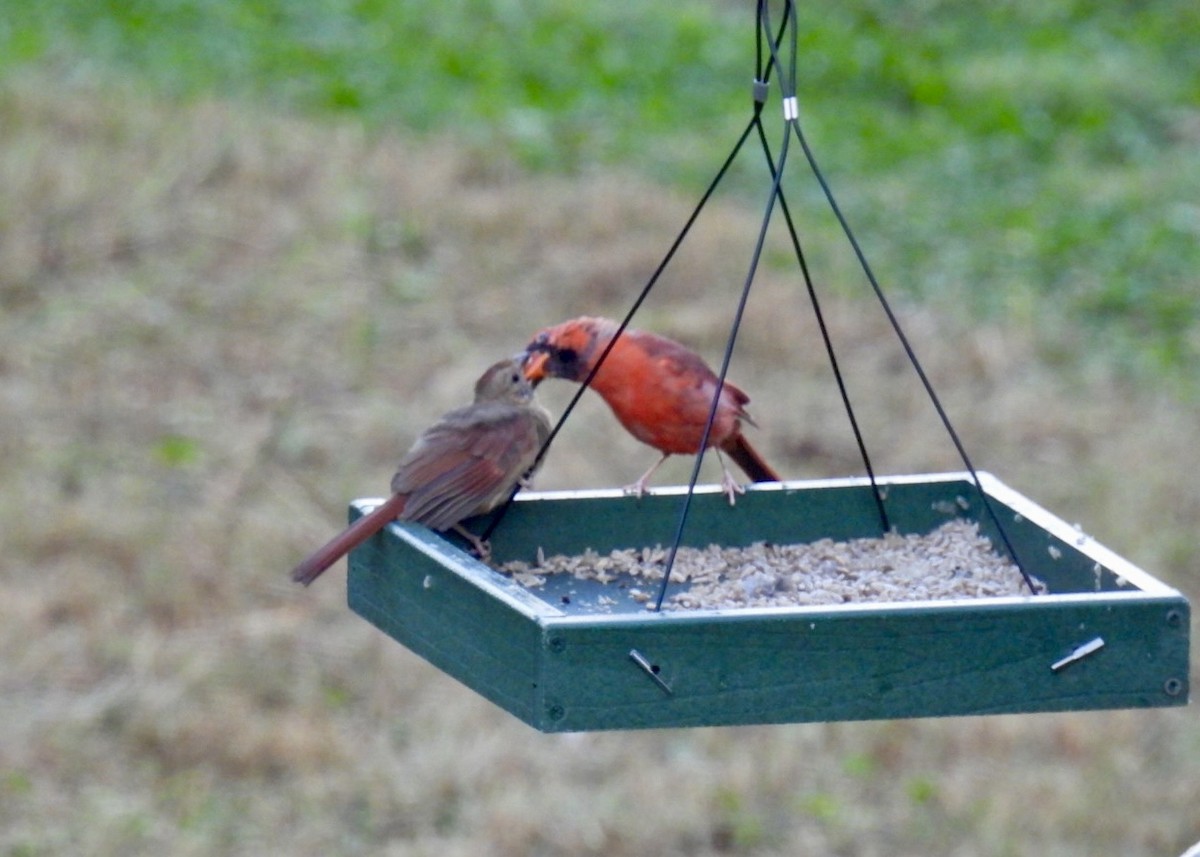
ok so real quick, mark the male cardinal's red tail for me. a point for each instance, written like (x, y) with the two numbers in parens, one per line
(348, 539)
(749, 460)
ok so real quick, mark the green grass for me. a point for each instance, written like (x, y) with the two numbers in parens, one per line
(1033, 158)
(224, 310)
(217, 323)
(1030, 157)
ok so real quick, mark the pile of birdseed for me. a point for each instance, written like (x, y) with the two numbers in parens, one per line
(953, 561)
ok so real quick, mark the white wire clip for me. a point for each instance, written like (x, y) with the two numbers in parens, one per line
(791, 109)
(1079, 654)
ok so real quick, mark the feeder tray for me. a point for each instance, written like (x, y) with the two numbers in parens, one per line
(1105, 635)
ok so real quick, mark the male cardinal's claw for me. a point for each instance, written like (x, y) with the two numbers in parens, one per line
(730, 486)
(636, 489)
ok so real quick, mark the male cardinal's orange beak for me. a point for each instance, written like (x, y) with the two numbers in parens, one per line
(534, 366)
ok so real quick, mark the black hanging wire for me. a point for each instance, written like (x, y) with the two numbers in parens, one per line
(904, 342)
(756, 256)
(654, 277)
(787, 83)
(755, 122)
(761, 81)
(792, 122)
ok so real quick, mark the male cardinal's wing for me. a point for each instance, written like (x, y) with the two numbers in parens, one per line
(662, 393)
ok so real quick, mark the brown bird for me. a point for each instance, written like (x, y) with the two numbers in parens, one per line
(465, 464)
(660, 391)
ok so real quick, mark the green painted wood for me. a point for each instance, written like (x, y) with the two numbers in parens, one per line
(415, 590)
(858, 665)
(567, 666)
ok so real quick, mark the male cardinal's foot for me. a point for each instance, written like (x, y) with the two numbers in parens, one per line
(729, 485)
(731, 488)
(638, 489)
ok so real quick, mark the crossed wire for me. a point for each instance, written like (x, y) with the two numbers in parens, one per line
(773, 62)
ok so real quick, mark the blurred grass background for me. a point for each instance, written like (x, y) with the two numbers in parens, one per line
(249, 249)
(1061, 136)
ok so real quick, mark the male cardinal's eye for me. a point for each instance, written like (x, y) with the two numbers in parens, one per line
(567, 356)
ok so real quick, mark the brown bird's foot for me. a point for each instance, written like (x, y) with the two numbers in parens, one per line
(482, 549)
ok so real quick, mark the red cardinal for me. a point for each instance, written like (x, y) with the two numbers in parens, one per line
(465, 464)
(660, 390)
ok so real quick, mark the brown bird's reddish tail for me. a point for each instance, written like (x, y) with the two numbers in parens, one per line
(747, 458)
(347, 540)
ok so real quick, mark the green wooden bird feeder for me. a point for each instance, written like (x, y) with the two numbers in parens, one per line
(1104, 635)
(576, 655)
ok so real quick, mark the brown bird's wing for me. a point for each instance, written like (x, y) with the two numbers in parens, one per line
(467, 462)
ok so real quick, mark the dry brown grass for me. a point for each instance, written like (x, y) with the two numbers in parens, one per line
(217, 327)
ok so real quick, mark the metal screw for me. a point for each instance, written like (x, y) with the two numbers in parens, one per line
(556, 712)
(557, 644)
(651, 669)
(1078, 654)
(1174, 618)
(1173, 687)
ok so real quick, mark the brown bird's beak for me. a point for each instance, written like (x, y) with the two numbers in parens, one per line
(534, 366)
